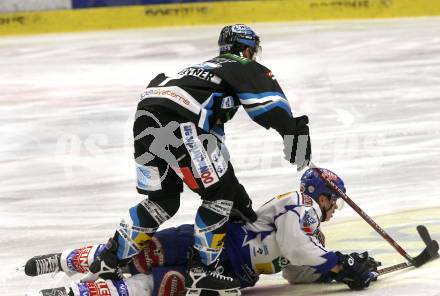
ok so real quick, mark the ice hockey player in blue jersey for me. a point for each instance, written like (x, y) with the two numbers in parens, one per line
(286, 237)
(178, 138)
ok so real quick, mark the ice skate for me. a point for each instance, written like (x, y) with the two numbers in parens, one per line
(200, 281)
(43, 264)
(203, 280)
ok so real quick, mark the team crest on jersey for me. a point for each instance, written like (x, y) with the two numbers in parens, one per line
(308, 221)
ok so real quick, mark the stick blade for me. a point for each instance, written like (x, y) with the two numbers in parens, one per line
(430, 252)
(424, 234)
(426, 237)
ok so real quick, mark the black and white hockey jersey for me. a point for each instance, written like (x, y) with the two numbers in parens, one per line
(210, 93)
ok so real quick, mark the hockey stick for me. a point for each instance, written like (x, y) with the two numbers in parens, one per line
(430, 252)
(425, 256)
(417, 261)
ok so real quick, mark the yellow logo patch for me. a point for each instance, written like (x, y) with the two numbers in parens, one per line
(218, 240)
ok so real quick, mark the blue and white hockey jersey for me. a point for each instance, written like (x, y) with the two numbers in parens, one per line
(287, 232)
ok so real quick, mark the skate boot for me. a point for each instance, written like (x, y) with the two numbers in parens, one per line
(206, 280)
(106, 264)
(43, 264)
(62, 291)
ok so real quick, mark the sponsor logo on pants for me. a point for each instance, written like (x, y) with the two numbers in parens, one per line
(198, 154)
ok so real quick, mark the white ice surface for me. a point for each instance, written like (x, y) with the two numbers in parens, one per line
(370, 88)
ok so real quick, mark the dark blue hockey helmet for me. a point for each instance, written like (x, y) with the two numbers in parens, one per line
(313, 185)
(235, 38)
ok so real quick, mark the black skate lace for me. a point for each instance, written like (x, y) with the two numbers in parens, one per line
(47, 265)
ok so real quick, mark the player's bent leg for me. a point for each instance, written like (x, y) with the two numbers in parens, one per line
(140, 225)
(210, 177)
(155, 179)
(135, 232)
(209, 235)
(143, 221)
(301, 274)
(70, 261)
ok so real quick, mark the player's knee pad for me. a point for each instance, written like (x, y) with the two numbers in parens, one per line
(137, 285)
(210, 230)
(142, 222)
(169, 281)
(218, 207)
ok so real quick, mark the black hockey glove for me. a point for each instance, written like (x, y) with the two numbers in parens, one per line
(354, 274)
(297, 145)
(242, 210)
(368, 261)
(107, 264)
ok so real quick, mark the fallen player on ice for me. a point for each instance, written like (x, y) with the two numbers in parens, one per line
(286, 237)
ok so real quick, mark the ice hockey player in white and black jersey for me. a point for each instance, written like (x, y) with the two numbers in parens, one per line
(286, 237)
(178, 138)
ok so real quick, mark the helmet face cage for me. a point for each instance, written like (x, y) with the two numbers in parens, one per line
(236, 38)
(314, 186)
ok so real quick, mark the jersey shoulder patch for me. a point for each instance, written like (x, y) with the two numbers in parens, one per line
(309, 221)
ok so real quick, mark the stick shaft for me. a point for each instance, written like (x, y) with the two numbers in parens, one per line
(367, 218)
(393, 268)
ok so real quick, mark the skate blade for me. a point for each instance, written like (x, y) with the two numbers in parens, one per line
(208, 292)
